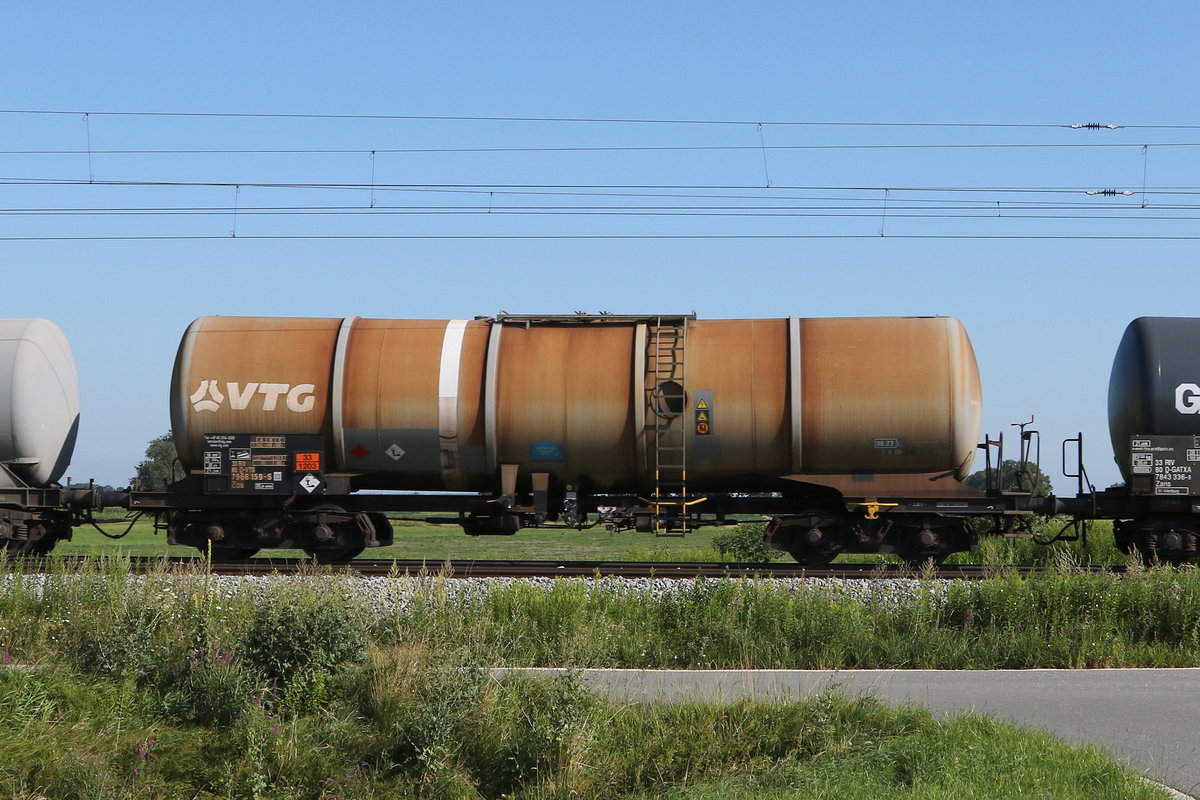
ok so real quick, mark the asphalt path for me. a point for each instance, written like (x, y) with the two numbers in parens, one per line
(1147, 718)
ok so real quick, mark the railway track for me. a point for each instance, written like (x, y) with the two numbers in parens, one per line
(677, 570)
(681, 570)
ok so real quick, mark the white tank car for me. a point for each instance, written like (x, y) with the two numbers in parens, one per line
(39, 402)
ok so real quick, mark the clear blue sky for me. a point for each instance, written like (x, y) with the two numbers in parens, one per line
(1045, 315)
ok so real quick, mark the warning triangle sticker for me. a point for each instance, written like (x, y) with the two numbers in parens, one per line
(701, 404)
(701, 417)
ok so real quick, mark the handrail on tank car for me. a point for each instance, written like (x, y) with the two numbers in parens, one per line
(1029, 470)
(1084, 489)
(986, 446)
(1031, 440)
(584, 317)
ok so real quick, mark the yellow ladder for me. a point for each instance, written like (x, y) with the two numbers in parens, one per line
(666, 400)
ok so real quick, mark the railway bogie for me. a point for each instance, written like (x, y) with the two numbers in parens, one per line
(818, 536)
(326, 532)
(34, 531)
(1171, 540)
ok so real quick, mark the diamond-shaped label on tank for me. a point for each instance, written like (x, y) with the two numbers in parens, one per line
(360, 452)
(396, 452)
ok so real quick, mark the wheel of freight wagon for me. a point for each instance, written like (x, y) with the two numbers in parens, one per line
(1155, 557)
(813, 558)
(40, 547)
(1157, 541)
(333, 553)
(38, 543)
(383, 528)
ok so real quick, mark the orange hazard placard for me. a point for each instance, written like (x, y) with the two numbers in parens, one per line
(308, 462)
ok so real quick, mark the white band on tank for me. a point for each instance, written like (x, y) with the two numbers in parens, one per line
(337, 392)
(491, 376)
(796, 393)
(452, 345)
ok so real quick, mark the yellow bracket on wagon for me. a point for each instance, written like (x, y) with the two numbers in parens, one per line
(871, 510)
(684, 503)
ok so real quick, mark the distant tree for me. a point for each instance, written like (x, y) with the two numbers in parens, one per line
(1015, 476)
(158, 468)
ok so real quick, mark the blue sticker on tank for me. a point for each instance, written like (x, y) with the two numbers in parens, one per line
(546, 451)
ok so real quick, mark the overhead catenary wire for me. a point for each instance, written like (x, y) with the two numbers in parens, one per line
(930, 208)
(603, 237)
(498, 187)
(975, 213)
(591, 120)
(596, 149)
(678, 199)
(772, 196)
(383, 210)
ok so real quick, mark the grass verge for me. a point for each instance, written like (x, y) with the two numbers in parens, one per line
(102, 619)
(396, 726)
(1053, 620)
(180, 684)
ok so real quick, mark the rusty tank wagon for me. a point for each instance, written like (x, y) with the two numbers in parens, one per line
(659, 423)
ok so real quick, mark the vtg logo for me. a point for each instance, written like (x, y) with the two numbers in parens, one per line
(1187, 398)
(209, 397)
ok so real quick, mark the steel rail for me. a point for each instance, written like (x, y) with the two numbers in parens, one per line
(474, 568)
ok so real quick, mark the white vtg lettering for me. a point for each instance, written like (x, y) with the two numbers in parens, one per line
(1187, 398)
(209, 396)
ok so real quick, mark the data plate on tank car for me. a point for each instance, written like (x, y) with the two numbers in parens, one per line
(245, 463)
(1164, 466)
